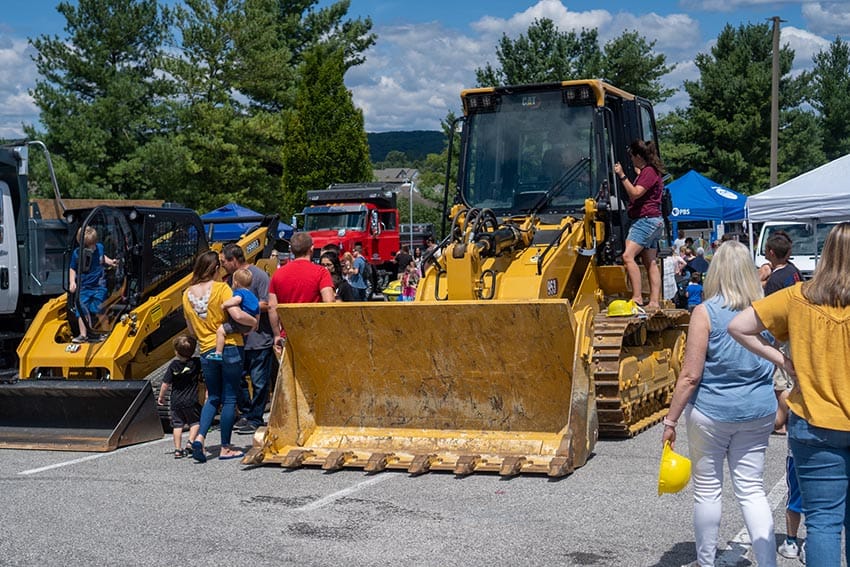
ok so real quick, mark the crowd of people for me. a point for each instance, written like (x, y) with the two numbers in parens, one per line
(685, 270)
(765, 349)
(234, 325)
(766, 353)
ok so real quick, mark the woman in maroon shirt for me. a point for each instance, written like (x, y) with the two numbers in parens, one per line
(647, 223)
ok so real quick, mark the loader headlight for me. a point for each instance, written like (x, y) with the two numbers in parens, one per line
(488, 102)
(579, 95)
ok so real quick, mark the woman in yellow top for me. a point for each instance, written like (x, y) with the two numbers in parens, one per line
(814, 317)
(204, 313)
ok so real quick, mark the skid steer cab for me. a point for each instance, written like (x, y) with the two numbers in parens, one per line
(130, 266)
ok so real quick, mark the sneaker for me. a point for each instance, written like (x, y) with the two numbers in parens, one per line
(79, 339)
(789, 549)
(802, 556)
(241, 423)
(248, 429)
(214, 356)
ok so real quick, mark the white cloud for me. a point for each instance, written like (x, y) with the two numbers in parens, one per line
(828, 17)
(676, 32)
(682, 71)
(551, 9)
(19, 75)
(805, 45)
(414, 74)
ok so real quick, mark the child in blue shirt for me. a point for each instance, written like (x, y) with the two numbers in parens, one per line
(87, 278)
(243, 299)
(694, 291)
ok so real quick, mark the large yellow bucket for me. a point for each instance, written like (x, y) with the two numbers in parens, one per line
(461, 386)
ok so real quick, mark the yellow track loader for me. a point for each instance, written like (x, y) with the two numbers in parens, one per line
(96, 395)
(507, 361)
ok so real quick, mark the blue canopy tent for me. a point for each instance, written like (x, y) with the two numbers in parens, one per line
(242, 220)
(698, 198)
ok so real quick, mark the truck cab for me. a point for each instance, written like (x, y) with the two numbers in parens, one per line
(32, 249)
(356, 213)
(806, 243)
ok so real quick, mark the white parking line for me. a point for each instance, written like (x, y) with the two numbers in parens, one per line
(91, 457)
(344, 492)
(732, 554)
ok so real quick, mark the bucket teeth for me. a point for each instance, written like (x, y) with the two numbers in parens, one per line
(421, 464)
(295, 458)
(336, 460)
(377, 462)
(466, 464)
(560, 466)
(511, 466)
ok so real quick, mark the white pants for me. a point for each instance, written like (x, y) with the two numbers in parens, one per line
(743, 444)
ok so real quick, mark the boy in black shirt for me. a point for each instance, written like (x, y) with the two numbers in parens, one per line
(783, 273)
(183, 375)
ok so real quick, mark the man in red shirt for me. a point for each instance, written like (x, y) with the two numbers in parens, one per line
(298, 281)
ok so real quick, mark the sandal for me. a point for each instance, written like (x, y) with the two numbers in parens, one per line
(179, 453)
(198, 452)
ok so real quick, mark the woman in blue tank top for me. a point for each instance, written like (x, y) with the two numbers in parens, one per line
(725, 393)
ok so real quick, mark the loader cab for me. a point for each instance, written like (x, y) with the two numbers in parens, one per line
(546, 148)
(520, 145)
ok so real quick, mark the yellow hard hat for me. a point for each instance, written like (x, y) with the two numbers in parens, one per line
(621, 307)
(674, 472)
(393, 288)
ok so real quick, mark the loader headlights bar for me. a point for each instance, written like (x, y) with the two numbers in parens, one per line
(579, 95)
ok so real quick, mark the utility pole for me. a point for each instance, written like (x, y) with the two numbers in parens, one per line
(410, 220)
(774, 105)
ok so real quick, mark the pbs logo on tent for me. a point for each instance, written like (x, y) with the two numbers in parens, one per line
(725, 193)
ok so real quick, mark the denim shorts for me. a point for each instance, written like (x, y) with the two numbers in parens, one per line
(646, 231)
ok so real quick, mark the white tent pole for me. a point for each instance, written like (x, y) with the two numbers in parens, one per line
(750, 233)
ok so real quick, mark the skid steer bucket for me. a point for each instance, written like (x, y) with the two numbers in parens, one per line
(460, 386)
(77, 415)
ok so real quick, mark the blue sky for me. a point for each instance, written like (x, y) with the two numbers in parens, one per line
(428, 51)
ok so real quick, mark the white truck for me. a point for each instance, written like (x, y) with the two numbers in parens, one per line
(803, 238)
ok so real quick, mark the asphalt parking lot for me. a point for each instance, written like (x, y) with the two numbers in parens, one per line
(140, 506)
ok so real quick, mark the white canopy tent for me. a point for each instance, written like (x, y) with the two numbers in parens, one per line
(822, 193)
(817, 196)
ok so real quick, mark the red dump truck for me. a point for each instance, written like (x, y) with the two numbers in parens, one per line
(347, 214)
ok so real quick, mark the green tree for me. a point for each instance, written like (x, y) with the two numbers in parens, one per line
(296, 28)
(728, 122)
(543, 54)
(325, 138)
(629, 62)
(100, 93)
(395, 158)
(223, 149)
(831, 83)
(546, 54)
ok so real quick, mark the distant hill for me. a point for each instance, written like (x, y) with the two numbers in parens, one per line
(416, 144)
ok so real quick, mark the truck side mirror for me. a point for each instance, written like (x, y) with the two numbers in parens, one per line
(376, 225)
